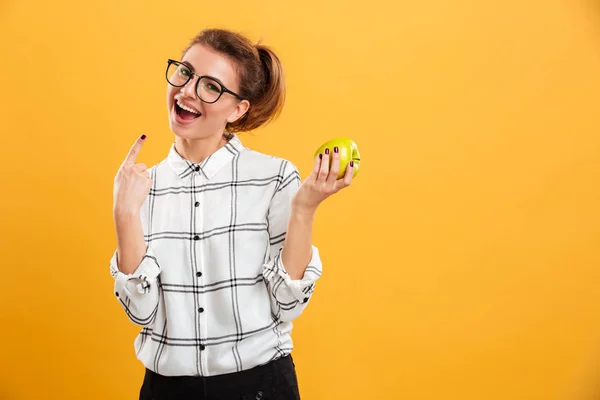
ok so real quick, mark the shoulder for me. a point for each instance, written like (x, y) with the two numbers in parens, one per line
(161, 174)
(279, 173)
(156, 167)
(253, 159)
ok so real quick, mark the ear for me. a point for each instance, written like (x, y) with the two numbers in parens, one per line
(240, 109)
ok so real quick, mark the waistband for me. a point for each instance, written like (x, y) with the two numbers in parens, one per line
(251, 380)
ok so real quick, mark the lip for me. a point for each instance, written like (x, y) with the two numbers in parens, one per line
(187, 105)
(178, 119)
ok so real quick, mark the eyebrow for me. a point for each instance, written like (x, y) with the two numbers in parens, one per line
(187, 64)
(191, 67)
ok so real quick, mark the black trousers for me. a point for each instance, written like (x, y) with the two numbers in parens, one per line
(274, 381)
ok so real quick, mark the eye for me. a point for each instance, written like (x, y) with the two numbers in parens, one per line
(208, 85)
(212, 88)
(209, 90)
(183, 71)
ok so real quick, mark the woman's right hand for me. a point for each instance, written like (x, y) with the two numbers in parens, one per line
(132, 183)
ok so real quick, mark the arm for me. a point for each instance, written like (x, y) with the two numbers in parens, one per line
(297, 247)
(131, 246)
(133, 265)
(135, 270)
(294, 264)
(293, 270)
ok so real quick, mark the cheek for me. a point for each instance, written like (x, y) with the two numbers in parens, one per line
(216, 111)
(170, 93)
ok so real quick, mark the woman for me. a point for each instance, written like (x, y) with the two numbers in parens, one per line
(214, 251)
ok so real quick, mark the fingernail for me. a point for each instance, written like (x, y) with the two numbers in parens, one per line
(326, 151)
(143, 136)
(336, 149)
(352, 164)
(320, 155)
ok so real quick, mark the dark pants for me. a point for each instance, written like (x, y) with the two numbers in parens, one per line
(274, 381)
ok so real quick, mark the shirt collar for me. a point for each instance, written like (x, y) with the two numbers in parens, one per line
(209, 166)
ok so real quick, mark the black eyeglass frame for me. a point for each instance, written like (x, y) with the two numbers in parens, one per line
(223, 87)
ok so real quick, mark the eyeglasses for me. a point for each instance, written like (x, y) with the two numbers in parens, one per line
(208, 89)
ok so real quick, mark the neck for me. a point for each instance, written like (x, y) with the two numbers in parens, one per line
(197, 150)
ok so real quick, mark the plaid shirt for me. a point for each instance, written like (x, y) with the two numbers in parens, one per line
(211, 293)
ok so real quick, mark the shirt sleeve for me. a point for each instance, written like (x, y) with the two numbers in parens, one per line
(289, 297)
(138, 292)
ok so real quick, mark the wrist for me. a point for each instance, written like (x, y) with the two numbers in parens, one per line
(121, 213)
(303, 213)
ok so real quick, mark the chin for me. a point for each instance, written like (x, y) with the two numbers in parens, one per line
(196, 129)
(183, 133)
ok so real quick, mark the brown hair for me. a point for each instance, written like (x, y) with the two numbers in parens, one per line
(259, 71)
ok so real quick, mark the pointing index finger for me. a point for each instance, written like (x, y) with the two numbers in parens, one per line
(135, 150)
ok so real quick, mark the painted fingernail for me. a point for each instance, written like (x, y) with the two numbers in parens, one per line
(320, 156)
(143, 136)
(326, 151)
(352, 164)
(336, 149)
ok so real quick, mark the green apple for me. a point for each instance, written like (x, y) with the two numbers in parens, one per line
(348, 152)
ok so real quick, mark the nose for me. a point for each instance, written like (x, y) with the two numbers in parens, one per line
(189, 89)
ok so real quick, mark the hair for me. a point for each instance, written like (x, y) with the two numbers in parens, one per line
(260, 75)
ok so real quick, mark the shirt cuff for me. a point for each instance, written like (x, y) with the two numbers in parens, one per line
(301, 288)
(141, 280)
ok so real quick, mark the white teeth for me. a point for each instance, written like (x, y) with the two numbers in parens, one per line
(187, 108)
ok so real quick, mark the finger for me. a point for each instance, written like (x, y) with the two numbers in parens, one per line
(135, 150)
(324, 170)
(335, 166)
(346, 180)
(316, 166)
(349, 173)
(139, 167)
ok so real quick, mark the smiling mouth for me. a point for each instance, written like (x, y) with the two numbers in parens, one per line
(185, 113)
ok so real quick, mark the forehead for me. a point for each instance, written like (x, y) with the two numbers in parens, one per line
(206, 61)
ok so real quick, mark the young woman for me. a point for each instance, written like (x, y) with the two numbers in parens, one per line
(214, 253)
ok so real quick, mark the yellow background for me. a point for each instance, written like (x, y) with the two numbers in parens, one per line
(463, 263)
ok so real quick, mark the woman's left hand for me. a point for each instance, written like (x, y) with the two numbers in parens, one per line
(322, 182)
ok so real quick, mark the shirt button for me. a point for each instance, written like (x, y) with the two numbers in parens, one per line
(197, 203)
(306, 299)
(202, 347)
(201, 310)
(196, 237)
(198, 274)
(197, 168)
(117, 294)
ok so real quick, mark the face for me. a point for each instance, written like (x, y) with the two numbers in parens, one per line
(206, 120)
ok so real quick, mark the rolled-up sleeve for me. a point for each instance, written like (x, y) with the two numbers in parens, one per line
(138, 293)
(289, 297)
